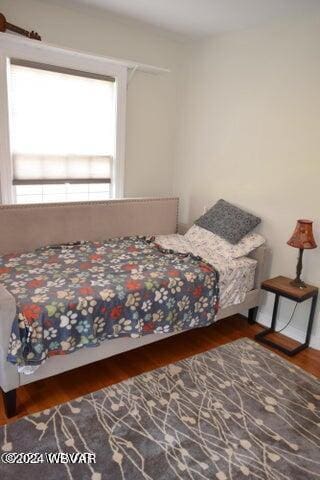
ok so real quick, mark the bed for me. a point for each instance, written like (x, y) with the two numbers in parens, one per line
(25, 228)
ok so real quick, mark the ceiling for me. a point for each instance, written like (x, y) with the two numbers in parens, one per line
(199, 17)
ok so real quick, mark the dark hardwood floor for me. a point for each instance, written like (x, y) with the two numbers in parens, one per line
(67, 386)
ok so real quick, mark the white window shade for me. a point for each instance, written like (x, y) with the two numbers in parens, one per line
(62, 126)
(43, 169)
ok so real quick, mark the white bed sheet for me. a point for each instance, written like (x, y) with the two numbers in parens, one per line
(236, 275)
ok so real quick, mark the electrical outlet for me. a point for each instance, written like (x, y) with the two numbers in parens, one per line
(205, 209)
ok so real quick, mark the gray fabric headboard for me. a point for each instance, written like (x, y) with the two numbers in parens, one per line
(26, 227)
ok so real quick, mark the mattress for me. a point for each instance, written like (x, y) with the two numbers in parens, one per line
(236, 279)
(236, 276)
(73, 296)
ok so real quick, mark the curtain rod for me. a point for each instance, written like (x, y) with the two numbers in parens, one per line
(6, 38)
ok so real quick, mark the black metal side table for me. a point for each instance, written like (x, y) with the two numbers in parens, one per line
(281, 286)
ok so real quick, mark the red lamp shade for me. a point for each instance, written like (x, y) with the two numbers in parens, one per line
(303, 236)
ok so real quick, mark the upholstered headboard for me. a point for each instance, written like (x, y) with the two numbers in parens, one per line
(26, 227)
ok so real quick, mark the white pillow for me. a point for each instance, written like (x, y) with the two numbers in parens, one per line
(201, 237)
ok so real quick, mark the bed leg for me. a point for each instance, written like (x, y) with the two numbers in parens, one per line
(10, 402)
(252, 315)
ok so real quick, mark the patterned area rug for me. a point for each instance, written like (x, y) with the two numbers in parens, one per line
(235, 412)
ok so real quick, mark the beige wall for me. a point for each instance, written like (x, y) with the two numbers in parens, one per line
(250, 133)
(151, 109)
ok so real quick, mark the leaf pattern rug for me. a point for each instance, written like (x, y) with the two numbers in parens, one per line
(235, 412)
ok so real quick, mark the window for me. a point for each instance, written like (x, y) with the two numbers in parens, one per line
(62, 127)
(62, 123)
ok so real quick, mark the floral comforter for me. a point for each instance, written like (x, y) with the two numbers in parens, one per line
(78, 295)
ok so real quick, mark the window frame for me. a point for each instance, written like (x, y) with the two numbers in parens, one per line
(33, 51)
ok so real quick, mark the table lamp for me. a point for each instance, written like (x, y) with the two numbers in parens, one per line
(302, 238)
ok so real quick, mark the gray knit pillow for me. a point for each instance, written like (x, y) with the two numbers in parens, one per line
(228, 221)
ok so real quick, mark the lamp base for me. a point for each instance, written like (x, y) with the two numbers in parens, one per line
(298, 283)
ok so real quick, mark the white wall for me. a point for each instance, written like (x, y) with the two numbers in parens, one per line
(151, 110)
(250, 133)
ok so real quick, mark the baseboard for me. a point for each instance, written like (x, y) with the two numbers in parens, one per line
(290, 331)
